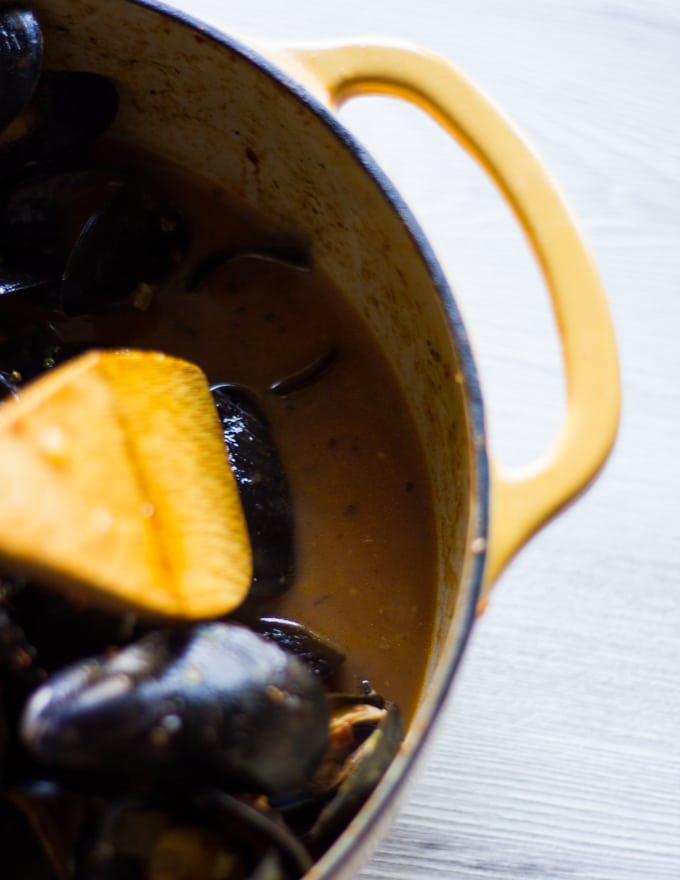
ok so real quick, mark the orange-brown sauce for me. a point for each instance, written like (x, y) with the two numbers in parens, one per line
(364, 525)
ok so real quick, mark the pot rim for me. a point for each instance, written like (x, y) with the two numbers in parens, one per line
(367, 821)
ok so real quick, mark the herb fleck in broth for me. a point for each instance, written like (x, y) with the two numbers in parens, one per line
(365, 543)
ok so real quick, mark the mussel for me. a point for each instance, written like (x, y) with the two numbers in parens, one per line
(264, 488)
(133, 239)
(87, 241)
(322, 657)
(290, 255)
(8, 385)
(80, 243)
(21, 49)
(365, 733)
(61, 630)
(42, 215)
(215, 702)
(374, 741)
(69, 110)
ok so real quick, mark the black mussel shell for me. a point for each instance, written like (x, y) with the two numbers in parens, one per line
(40, 220)
(364, 736)
(263, 486)
(212, 703)
(41, 280)
(137, 237)
(61, 630)
(8, 385)
(85, 242)
(323, 658)
(69, 111)
(42, 216)
(25, 340)
(21, 50)
(292, 256)
(31, 347)
(368, 766)
(306, 376)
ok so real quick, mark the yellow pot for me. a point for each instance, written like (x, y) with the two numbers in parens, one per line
(256, 121)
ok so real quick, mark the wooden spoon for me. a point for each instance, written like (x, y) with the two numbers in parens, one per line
(115, 485)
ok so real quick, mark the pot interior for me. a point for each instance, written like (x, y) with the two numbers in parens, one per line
(209, 105)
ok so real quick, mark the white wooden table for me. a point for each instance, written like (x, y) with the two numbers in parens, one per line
(559, 756)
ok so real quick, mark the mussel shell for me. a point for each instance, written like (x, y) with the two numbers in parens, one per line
(215, 702)
(8, 385)
(292, 256)
(61, 630)
(41, 280)
(31, 345)
(306, 376)
(263, 487)
(42, 216)
(21, 51)
(376, 754)
(69, 111)
(323, 658)
(136, 237)
(88, 237)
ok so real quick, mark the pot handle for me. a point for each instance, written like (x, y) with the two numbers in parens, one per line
(522, 500)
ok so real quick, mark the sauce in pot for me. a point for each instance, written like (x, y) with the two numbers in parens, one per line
(365, 553)
(131, 745)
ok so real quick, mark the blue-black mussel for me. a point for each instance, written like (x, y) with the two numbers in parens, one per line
(264, 488)
(67, 111)
(69, 237)
(21, 49)
(211, 741)
(82, 242)
(214, 702)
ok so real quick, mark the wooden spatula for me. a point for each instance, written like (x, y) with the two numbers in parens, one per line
(115, 484)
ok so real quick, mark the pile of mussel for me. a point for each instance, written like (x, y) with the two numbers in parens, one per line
(131, 748)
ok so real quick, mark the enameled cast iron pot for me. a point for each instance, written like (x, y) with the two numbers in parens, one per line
(257, 123)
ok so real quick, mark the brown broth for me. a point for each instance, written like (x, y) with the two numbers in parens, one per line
(364, 523)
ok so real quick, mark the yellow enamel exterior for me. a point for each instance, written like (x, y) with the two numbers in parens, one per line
(521, 500)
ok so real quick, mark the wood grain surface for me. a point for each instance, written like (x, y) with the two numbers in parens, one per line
(559, 755)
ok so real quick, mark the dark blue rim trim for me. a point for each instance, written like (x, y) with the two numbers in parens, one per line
(477, 437)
